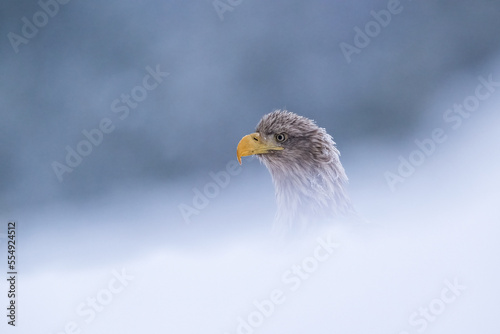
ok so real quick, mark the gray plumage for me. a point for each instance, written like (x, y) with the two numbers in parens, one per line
(308, 177)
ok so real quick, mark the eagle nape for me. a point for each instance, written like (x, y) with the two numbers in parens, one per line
(304, 163)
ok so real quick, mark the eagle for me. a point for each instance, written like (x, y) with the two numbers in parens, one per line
(304, 163)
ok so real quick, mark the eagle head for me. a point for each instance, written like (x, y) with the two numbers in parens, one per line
(304, 163)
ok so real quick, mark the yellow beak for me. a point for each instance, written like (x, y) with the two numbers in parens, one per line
(254, 144)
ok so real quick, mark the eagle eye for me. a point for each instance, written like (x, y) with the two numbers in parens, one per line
(281, 137)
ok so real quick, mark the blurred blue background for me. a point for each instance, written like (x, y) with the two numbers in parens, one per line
(224, 75)
(229, 63)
